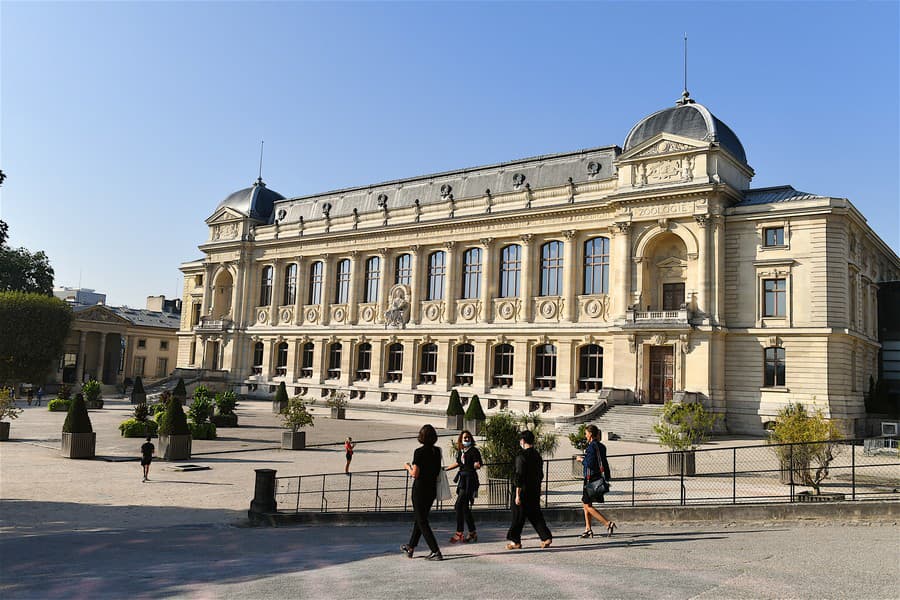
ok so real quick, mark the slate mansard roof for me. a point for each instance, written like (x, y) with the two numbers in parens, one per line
(137, 316)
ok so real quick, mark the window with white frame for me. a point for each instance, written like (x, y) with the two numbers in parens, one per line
(265, 286)
(775, 297)
(471, 274)
(342, 285)
(428, 364)
(290, 284)
(551, 268)
(510, 270)
(437, 269)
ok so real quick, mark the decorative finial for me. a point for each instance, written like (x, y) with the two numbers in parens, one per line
(259, 180)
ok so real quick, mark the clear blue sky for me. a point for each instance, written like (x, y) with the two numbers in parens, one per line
(124, 124)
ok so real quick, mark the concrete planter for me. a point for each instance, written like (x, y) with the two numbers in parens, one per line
(293, 440)
(690, 463)
(175, 447)
(277, 406)
(4, 431)
(475, 427)
(338, 413)
(455, 422)
(78, 445)
(94, 404)
(224, 420)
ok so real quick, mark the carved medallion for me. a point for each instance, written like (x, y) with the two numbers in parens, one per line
(312, 315)
(548, 309)
(368, 314)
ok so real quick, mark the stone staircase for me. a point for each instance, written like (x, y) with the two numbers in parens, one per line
(632, 422)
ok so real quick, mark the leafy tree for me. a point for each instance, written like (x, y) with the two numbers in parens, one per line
(501, 433)
(22, 270)
(454, 407)
(295, 415)
(34, 330)
(814, 442)
(474, 412)
(684, 425)
(77, 419)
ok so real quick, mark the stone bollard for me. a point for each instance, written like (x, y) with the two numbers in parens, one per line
(263, 495)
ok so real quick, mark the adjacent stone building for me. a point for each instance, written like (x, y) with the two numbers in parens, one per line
(548, 283)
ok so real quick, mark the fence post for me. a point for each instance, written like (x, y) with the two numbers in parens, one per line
(853, 470)
(791, 468)
(734, 475)
(323, 493)
(299, 487)
(633, 479)
(378, 491)
(683, 491)
(546, 483)
(349, 487)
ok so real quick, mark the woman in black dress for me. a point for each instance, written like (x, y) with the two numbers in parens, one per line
(468, 459)
(425, 467)
(595, 466)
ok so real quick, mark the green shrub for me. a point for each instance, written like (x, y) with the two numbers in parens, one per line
(133, 428)
(809, 461)
(91, 390)
(474, 412)
(226, 403)
(173, 421)
(180, 391)
(200, 408)
(157, 408)
(501, 432)
(203, 431)
(225, 420)
(455, 407)
(77, 420)
(295, 415)
(141, 412)
(684, 425)
(59, 405)
(577, 439)
(65, 391)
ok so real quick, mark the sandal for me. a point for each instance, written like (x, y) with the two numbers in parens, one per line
(610, 528)
(457, 537)
(546, 543)
(471, 538)
(513, 546)
(588, 533)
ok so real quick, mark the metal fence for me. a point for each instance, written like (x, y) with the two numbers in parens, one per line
(736, 475)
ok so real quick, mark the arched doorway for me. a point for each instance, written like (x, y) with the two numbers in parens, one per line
(220, 307)
(664, 277)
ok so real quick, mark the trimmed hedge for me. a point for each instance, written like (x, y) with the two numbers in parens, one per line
(132, 428)
(203, 431)
(474, 411)
(59, 405)
(455, 408)
(180, 391)
(78, 420)
(173, 421)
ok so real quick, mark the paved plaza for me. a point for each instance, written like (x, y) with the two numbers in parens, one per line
(91, 529)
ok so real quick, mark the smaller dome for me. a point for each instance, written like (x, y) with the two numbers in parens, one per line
(255, 201)
(689, 119)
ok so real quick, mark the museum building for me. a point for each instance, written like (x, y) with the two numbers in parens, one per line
(637, 274)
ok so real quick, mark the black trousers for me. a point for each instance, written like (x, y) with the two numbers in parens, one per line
(463, 508)
(421, 527)
(531, 510)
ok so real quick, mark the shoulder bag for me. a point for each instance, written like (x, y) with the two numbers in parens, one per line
(597, 488)
(443, 484)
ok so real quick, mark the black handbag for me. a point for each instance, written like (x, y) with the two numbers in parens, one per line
(597, 488)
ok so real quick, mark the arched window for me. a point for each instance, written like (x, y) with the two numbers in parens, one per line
(334, 361)
(394, 372)
(471, 274)
(510, 270)
(596, 266)
(373, 279)
(290, 284)
(465, 364)
(342, 285)
(315, 283)
(364, 362)
(590, 368)
(437, 268)
(281, 359)
(403, 270)
(545, 367)
(265, 286)
(306, 360)
(428, 364)
(551, 268)
(774, 367)
(504, 357)
(258, 351)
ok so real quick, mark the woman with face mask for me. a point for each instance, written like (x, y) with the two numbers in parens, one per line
(529, 473)
(468, 459)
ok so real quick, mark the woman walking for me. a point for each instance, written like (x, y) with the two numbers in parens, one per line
(349, 445)
(595, 466)
(425, 467)
(468, 459)
(529, 473)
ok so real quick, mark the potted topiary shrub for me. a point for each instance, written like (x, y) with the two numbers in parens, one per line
(474, 417)
(91, 390)
(337, 402)
(8, 412)
(140, 425)
(280, 402)
(200, 410)
(683, 426)
(501, 445)
(294, 416)
(225, 405)
(78, 437)
(138, 394)
(806, 444)
(174, 432)
(455, 412)
(578, 442)
(180, 392)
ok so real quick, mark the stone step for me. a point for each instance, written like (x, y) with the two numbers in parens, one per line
(626, 422)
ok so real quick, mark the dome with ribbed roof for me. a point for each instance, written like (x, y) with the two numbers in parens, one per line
(688, 119)
(255, 201)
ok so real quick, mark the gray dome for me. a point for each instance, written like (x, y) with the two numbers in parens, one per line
(688, 119)
(255, 201)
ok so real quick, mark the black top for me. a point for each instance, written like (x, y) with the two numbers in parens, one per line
(467, 459)
(529, 471)
(147, 450)
(428, 459)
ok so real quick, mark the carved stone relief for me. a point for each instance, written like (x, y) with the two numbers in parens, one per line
(398, 314)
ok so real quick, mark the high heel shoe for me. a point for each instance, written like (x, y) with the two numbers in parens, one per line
(588, 533)
(546, 543)
(408, 550)
(610, 528)
(471, 538)
(457, 537)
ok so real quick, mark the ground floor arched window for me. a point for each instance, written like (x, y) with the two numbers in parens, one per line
(545, 367)
(394, 372)
(590, 368)
(504, 357)
(334, 361)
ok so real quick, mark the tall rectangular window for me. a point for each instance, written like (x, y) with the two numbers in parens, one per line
(257, 366)
(306, 360)
(290, 284)
(403, 271)
(138, 366)
(551, 268)
(192, 359)
(504, 360)
(315, 283)
(545, 367)
(437, 269)
(774, 368)
(162, 367)
(596, 266)
(342, 285)
(394, 373)
(775, 297)
(334, 361)
(465, 364)
(471, 283)
(510, 271)
(265, 286)
(364, 362)
(373, 279)
(428, 366)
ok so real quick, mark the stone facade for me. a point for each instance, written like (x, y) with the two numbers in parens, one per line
(542, 284)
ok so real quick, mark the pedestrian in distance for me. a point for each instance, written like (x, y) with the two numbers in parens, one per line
(349, 445)
(529, 473)
(595, 467)
(424, 469)
(40, 395)
(147, 451)
(29, 395)
(468, 460)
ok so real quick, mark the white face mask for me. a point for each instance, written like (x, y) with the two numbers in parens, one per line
(467, 443)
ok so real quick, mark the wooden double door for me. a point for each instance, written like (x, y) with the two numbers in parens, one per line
(662, 373)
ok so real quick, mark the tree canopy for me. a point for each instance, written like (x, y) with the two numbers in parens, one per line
(34, 329)
(22, 270)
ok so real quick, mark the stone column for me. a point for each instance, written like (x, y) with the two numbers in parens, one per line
(416, 295)
(347, 350)
(384, 285)
(450, 282)
(488, 276)
(79, 362)
(570, 288)
(702, 264)
(353, 299)
(526, 289)
(327, 292)
(564, 369)
(236, 294)
(623, 266)
(207, 290)
(377, 366)
(102, 357)
(410, 363)
(245, 316)
(481, 377)
(718, 282)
